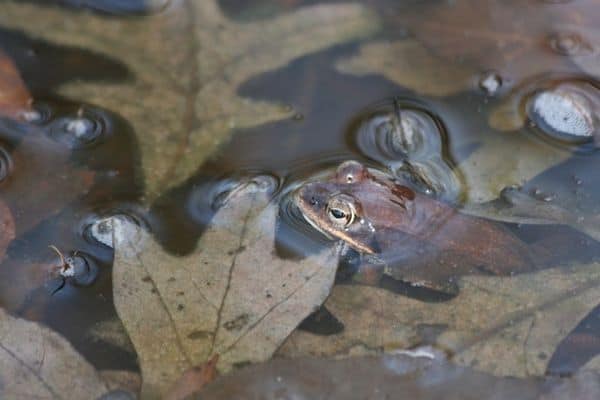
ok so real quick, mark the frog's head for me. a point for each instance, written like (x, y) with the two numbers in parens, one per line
(333, 208)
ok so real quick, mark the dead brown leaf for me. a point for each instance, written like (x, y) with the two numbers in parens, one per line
(420, 375)
(233, 296)
(517, 38)
(504, 326)
(42, 180)
(14, 96)
(188, 63)
(193, 380)
(409, 64)
(38, 363)
(7, 228)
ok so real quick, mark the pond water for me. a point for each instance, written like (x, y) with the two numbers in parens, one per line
(156, 112)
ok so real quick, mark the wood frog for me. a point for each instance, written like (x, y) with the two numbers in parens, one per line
(408, 235)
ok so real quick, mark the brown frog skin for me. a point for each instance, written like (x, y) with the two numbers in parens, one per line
(408, 235)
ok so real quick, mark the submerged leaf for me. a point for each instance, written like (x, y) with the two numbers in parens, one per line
(418, 375)
(38, 363)
(506, 160)
(502, 325)
(14, 96)
(409, 64)
(42, 180)
(232, 297)
(193, 380)
(518, 38)
(189, 62)
(7, 228)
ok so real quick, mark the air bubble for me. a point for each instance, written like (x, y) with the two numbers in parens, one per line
(81, 268)
(38, 113)
(82, 130)
(568, 44)
(566, 112)
(490, 82)
(405, 133)
(77, 267)
(411, 143)
(229, 188)
(102, 229)
(432, 177)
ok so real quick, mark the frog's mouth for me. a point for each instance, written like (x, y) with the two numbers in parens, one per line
(317, 227)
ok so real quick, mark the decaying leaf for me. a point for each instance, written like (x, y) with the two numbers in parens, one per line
(36, 363)
(505, 326)
(419, 375)
(409, 64)
(519, 39)
(42, 180)
(232, 297)
(194, 380)
(7, 228)
(505, 160)
(124, 381)
(14, 97)
(188, 62)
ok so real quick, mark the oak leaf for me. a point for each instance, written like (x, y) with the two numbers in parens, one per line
(501, 325)
(232, 297)
(188, 63)
(36, 362)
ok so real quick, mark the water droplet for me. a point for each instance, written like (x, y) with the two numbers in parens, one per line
(566, 112)
(84, 129)
(6, 164)
(490, 82)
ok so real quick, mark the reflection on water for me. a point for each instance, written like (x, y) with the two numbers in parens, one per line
(70, 170)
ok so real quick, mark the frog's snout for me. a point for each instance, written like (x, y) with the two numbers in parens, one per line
(310, 196)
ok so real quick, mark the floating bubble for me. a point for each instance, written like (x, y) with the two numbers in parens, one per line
(490, 82)
(80, 268)
(229, 188)
(103, 229)
(432, 177)
(402, 133)
(82, 130)
(569, 44)
(567, 112)
(38, 114)
(6, 164)
(411, 142)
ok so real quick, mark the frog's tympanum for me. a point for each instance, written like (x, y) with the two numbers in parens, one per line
(408, 235)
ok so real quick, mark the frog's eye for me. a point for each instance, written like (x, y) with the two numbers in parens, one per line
(341, 210)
